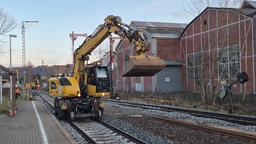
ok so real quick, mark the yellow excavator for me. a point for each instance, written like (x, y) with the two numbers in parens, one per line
(79, 95)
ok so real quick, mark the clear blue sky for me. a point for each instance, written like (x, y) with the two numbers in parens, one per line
(49, 39)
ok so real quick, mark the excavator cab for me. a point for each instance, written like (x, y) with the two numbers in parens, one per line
(142, 65)
(98, 81)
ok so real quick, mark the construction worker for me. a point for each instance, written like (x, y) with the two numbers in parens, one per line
(17, 92)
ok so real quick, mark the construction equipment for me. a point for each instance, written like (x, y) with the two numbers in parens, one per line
(79, 95)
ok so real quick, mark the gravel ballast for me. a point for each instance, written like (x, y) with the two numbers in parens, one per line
(140, 122)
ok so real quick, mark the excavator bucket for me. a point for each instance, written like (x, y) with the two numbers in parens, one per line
(142, 65)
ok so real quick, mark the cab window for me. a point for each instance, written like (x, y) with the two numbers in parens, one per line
(53, 85)
(101, 72)
(64, 82)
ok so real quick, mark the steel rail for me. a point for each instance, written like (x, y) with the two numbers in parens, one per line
(125, 134)
(239, 119)
(239, 135)
(104, 133)
(107, 125)
(84, 135)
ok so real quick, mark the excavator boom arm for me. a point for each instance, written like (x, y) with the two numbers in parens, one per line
(113, 24)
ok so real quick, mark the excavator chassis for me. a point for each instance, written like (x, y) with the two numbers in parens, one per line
(71, 108)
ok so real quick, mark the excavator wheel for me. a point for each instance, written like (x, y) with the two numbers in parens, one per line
(142, 65)
(56, 105)
(60, 112)
(100, 114)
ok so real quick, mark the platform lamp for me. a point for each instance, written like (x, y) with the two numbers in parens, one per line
(12, 84)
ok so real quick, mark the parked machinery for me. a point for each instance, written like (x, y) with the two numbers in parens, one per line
(79, 95)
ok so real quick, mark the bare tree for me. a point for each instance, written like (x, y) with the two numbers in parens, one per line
(1, 47)
(7, 22)
(194, 7)
(207, 69)
(101, 50)
(207, 64)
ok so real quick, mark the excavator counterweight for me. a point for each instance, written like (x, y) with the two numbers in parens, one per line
(142, 65)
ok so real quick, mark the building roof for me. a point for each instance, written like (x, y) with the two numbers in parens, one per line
(248, 8)
(160, 29)
(249, 12)
(4, 71)
(248, 4)
(142, 24)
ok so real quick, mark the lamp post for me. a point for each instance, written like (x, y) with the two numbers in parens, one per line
(11, 35)
(12, 80)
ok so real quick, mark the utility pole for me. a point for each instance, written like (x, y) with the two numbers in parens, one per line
(24, 52)
(111, 64)
(23, 41)
(73, 37)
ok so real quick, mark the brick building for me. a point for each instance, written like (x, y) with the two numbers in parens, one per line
(164, 42)
(220, 41)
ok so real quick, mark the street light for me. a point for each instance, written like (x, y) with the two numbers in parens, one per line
(23, 41)
(11, 35)
(11, 76)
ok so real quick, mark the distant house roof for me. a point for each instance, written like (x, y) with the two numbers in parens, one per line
(249, 4)
(247, 12)
(6, 71)
(160, 29)
(248, 8)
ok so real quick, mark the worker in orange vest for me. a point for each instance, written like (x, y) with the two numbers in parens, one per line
(17, 92)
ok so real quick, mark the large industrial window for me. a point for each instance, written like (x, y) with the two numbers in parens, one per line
(229, 65)
(194, 62)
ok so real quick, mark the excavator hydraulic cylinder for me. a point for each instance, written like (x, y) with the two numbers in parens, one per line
(142, 65)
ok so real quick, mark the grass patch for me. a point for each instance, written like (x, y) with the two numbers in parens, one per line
(4, 105)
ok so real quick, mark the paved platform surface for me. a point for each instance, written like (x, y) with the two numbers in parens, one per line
(33, 124)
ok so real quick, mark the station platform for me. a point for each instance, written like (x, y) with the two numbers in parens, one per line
(33, 124)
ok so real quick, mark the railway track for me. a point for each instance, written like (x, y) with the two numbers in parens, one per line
(235, 134)
(243, 120)
(97, 132)
(100, 132)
